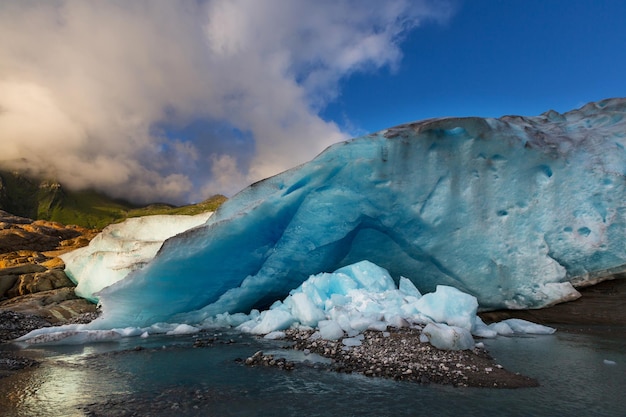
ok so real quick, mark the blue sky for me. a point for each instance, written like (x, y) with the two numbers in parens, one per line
(494, 58)
(159, 100)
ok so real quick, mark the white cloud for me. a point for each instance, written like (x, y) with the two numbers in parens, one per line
(83, 85)
(224, 175)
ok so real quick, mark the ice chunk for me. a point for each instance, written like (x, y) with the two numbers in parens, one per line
(183, 329)
(353, 341)
(482, 330)
(407, 287)
(272, 320)
(304, 310)
(379, 326)
(527, 327)
(447, 337)
(227, 320)
(330, 330)
(501, 328)
(370, 276)
(449, 305)
(68, 335)
(364, 307)
(275, 335)
(396, 320)
(132, 331)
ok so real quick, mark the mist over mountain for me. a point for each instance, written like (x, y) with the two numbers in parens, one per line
(45, 198)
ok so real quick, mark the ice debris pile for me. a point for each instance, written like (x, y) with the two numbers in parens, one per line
(363, 296)
(121, 248)
(515, 211)
(340, 305)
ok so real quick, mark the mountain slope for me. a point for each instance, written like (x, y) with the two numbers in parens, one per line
(46, 199)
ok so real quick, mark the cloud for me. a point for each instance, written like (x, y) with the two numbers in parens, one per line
(174, 101)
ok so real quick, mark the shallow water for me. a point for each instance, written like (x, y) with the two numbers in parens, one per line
(170, 377)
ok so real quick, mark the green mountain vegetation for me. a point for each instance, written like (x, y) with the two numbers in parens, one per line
(46, 199)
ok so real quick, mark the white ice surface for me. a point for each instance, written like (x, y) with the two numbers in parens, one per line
(121, 248)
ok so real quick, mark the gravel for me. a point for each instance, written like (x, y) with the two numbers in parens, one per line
(399, 355)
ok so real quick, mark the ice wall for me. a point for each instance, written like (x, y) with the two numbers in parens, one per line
(121, 248)
(340, 305)
(510, 210)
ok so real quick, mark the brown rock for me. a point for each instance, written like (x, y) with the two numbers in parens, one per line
(22, 269)
(54, 229)
(75, 243)
(6, 283)
(11, 276)
(41, 281)
(55, 306)
(31, 274)
(53, 263)
(18, 233)
(8, 219)
(21, 257)
(18, 239)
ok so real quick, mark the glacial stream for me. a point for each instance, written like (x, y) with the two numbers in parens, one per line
(580, 374)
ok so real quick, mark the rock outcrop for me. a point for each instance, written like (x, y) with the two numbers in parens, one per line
(32, 281)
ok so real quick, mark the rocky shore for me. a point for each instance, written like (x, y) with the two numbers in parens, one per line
(34, 290)
(13, 325)
(400, 355)
(32, 277)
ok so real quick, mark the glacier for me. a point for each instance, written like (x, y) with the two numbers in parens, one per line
(515, 212)
(341, 306)
(121, 248)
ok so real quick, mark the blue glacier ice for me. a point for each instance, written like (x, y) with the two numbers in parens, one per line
(515, 211)
(341, 306)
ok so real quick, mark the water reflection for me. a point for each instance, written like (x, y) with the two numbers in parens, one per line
(167, 376)
(60, 385)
